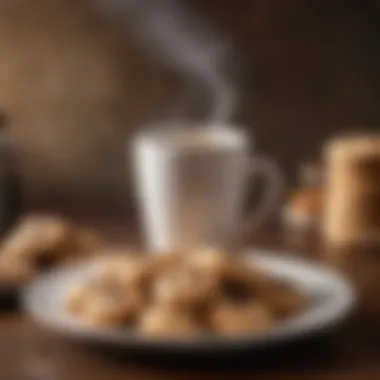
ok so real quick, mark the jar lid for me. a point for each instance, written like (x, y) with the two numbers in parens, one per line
(354, 144)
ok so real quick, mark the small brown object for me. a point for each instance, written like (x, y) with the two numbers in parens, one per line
(14, 272)
(104, 303)
(159, 321)
(88, 241)
(233, 318)
(211, 261)
(246, 276)
(282, 300)
(127, 270)
(307, 201)
(161, 263)
(76, 299)
(304, 208)
(305, 205)
(42, 240)
(36, 237)
(184, 288)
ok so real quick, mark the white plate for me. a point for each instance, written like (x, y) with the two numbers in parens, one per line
(332, 299)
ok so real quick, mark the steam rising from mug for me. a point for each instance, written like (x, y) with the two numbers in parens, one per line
(179, 38)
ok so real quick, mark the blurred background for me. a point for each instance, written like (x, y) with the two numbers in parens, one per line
(76, 82)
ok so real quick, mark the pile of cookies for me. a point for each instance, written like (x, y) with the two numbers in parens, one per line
(175, 295)
(40, 240)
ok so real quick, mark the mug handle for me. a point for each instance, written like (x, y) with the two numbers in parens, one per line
(270, 171)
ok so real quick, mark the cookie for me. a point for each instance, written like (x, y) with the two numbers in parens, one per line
(210, 260)
(230, 318)
(104, 303)
(14, 272)
(88, 241)
(37, 237)
(76, 298)
(184, 288)
(127, 270)
(158, 321)
(282, 300)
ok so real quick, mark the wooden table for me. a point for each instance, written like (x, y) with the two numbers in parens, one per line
(29, 352)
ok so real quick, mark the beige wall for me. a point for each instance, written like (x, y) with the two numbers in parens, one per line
(74, 87)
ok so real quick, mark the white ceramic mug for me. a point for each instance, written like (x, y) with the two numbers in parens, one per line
(191, 184)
